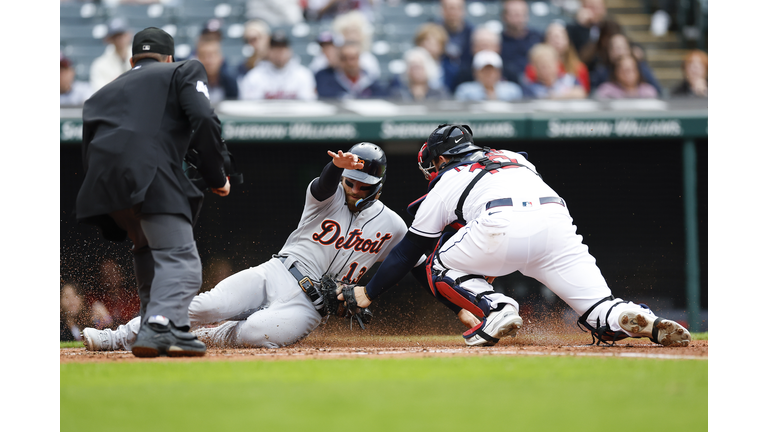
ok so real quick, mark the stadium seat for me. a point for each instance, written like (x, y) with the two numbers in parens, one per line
(72, 34)
(143, 16)
(80, 13)
(413, 13)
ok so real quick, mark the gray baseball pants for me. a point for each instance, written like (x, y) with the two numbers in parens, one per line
(166, 263)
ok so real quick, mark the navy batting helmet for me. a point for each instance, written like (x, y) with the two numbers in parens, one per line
(373, 172)
(447, 140)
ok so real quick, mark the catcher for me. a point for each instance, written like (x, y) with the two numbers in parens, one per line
(344, 229)
(488, 213)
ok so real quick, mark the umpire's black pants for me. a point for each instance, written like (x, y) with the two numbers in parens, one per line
(165, 261)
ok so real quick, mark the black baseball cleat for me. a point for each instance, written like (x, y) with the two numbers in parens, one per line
(659, 330)
(160, 337)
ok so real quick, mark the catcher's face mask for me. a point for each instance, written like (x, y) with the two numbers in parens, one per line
(426, 163)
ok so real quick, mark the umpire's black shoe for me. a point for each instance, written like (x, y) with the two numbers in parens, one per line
(160, 337)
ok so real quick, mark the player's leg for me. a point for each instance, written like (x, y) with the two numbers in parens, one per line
(289, 317)
(121, 338)
(244, 291)
(247, 290)
(571, 272)
(458, 268)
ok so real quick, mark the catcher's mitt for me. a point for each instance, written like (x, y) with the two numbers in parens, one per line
(343, 309)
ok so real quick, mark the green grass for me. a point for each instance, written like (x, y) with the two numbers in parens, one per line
(409, 394)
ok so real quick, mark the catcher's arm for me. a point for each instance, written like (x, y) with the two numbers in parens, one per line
(345, 305)
(357, 293)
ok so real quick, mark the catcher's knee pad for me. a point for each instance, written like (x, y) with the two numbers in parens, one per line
(602, 332)
(451, 290)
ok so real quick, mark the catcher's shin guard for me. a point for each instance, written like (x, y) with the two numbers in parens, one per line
(603, 333)
(450, 290)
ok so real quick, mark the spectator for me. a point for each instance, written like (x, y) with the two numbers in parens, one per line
(320, 10)
(275, 12)
(488, 84)
(551, 81)
(414, 85)
(280, 76)
(607, 30)
(329, 52)
(625, 82)
(71, 91)
(116, 58)
(483, 39)
(349, 80)
(694, 75)
(591, 21)
(557, 37)
(456, 53)
(112, 300)
(256, 35)
(73, 316)
(355, 28)
(517, 38)
(222, 85)
(619, 46)
(433, 38)
(211, 31)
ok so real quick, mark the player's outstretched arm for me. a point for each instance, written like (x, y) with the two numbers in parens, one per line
(345, 160)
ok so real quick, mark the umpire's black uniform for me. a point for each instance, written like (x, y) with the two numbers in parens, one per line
(136, 131)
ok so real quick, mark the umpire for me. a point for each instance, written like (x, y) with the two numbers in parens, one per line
(136, 132)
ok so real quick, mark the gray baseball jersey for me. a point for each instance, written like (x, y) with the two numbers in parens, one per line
(272, 309)
(332, 240)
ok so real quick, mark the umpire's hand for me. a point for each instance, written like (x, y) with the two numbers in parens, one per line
(223, 191)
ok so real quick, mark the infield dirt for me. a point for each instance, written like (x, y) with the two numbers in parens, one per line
(336, 340)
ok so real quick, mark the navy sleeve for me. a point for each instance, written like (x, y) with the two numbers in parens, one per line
(325, 186)
(399, 262)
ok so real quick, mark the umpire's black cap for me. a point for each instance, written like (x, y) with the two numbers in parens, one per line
(153, 40)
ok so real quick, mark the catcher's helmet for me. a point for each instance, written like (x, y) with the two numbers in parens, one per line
(373, 172)
(449, 140)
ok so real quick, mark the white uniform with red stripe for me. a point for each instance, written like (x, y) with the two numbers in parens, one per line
(539, 240)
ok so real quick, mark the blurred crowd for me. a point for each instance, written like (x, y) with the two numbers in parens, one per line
(588, 57)
(111, 299)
